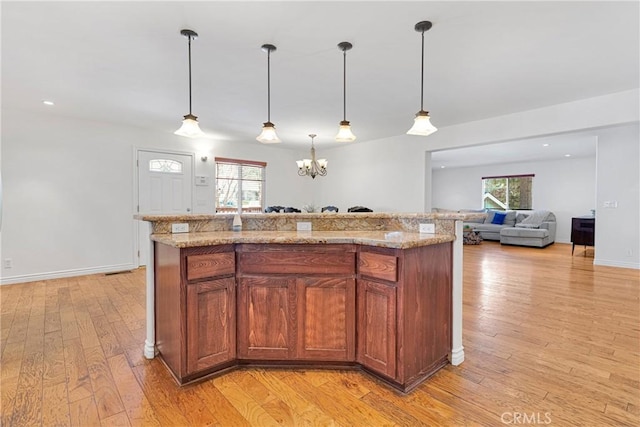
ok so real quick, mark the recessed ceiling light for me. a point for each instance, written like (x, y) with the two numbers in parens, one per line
(442, 167)
(48, 102)
(545, 145)
(567, 155)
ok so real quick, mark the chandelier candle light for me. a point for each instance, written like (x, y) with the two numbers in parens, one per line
(268, 134)
(422, 123)
(312, 167)
(344, 134)
(190, 127)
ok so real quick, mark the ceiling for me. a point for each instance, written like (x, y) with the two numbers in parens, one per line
(557, 147)
(125, 62)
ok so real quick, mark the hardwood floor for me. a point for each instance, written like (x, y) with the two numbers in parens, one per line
(548, 337)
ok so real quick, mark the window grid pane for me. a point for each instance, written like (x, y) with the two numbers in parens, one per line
(239, 184)
(508, 192)
(165, 165)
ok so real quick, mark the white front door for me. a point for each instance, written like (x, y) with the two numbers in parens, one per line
(165, 184)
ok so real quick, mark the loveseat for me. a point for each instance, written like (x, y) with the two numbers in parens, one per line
(530, 228)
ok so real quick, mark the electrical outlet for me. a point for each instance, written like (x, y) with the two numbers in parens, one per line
(303, 226)
(180, 228)
(428, 228)
(8, 263)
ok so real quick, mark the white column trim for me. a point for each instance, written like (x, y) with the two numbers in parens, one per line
(150, 342)
(456, 356)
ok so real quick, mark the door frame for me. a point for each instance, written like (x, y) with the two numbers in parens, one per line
(136, 189)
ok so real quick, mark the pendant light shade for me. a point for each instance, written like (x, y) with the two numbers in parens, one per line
(344, 133)
(422, 123)
(268, 134)
(190, 127)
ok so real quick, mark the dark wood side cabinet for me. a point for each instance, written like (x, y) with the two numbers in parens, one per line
(583, 229)
(195, 297)
(404, 312)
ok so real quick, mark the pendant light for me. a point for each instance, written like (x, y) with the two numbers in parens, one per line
(422, 123)
(344, 133)
(189, 126)
(312, 167)
(268, 134)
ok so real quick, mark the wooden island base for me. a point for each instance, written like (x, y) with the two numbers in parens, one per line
(384, 310)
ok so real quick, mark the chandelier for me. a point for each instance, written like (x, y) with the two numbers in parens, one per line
(312, 167)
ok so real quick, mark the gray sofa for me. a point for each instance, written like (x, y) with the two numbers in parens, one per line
(531, 228)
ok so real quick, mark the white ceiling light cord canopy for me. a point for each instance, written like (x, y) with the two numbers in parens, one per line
(190, 127)
(312, 167)
(422, 123)
(344, 133)
(268, 134)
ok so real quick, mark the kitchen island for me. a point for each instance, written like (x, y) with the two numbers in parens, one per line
(362, 291)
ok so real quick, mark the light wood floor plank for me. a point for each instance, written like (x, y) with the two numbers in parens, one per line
(105, 393)
(77, 373)
(55, 410)
(138, 408)
(27, 407)
(244, 403)
(84, 412)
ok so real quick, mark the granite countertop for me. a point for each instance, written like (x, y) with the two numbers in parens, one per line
(303, 216)
(388, 239)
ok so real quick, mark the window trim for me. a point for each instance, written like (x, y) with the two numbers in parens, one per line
(507, 177)
(240, 163)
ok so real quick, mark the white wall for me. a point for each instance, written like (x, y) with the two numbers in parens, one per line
(69, 183)
(384, 175)
(566, 187)
(68, 201)
(618, 171)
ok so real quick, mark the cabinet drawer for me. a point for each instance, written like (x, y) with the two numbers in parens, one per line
(284, 261)
(210, 265)
(380, 266)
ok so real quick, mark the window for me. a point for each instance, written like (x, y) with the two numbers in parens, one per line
(507, 192)
(239, 183)
(164, 165)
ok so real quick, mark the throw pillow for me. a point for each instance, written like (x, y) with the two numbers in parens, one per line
(489, 216)
(498, 218)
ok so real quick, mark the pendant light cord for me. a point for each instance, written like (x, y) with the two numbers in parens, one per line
(189, 37)
(269, 85)
(422, 77)
(344, 85)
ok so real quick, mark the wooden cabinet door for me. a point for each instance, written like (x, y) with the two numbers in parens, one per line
(211, 326)
(266, 318)
(377, 326)
(326, 318)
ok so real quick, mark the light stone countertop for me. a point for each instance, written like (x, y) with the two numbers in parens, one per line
(388, 239)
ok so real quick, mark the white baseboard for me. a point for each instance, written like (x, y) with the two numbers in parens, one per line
(621, 264)
(66, 273)
(456, 357)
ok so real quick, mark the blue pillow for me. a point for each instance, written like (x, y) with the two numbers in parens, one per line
(498, 218)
